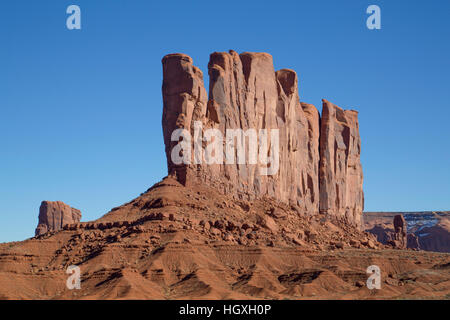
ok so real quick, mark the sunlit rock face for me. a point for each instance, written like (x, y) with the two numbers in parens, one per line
(245, 92)
(53, 215)
(340, 170)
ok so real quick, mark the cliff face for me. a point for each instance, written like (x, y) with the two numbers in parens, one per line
(280, 135)
(340, 172)
(53, 215)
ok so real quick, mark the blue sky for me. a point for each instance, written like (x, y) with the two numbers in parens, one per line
(81, 110)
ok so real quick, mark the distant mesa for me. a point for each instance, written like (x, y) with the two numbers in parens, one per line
(53, 215)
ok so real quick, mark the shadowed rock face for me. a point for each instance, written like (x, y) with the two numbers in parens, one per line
(53, 215)
(399, 237)
(245, 92)
(412, 241)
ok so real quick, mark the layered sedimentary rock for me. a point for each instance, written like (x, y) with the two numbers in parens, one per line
(340, 170)
(245, 92)
(53, 215)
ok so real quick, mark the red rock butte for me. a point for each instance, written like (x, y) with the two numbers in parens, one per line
(53, 215)
(226, 231)
(320, 172)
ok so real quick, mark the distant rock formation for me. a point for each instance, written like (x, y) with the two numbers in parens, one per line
(413, 241)
(428, 230)
(399, 237)
(396, 237)
(245, 92)
(53, 215)
(435, 238)
(382, 232)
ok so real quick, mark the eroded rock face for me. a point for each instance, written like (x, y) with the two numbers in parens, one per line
(340, 170)
(53, 215)
(185, 99)
(412, 241)
(245, 92)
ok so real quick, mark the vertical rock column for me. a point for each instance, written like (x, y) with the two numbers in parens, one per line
(340, 170)
(184, 98)
(400, 232)
(312, 172)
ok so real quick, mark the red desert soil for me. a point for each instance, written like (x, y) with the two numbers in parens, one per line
(174, 242)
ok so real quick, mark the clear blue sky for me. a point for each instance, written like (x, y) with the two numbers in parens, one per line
(81, 110)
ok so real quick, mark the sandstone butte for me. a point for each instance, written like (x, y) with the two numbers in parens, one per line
(53, 215)
(225, 231)
(320, 169)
